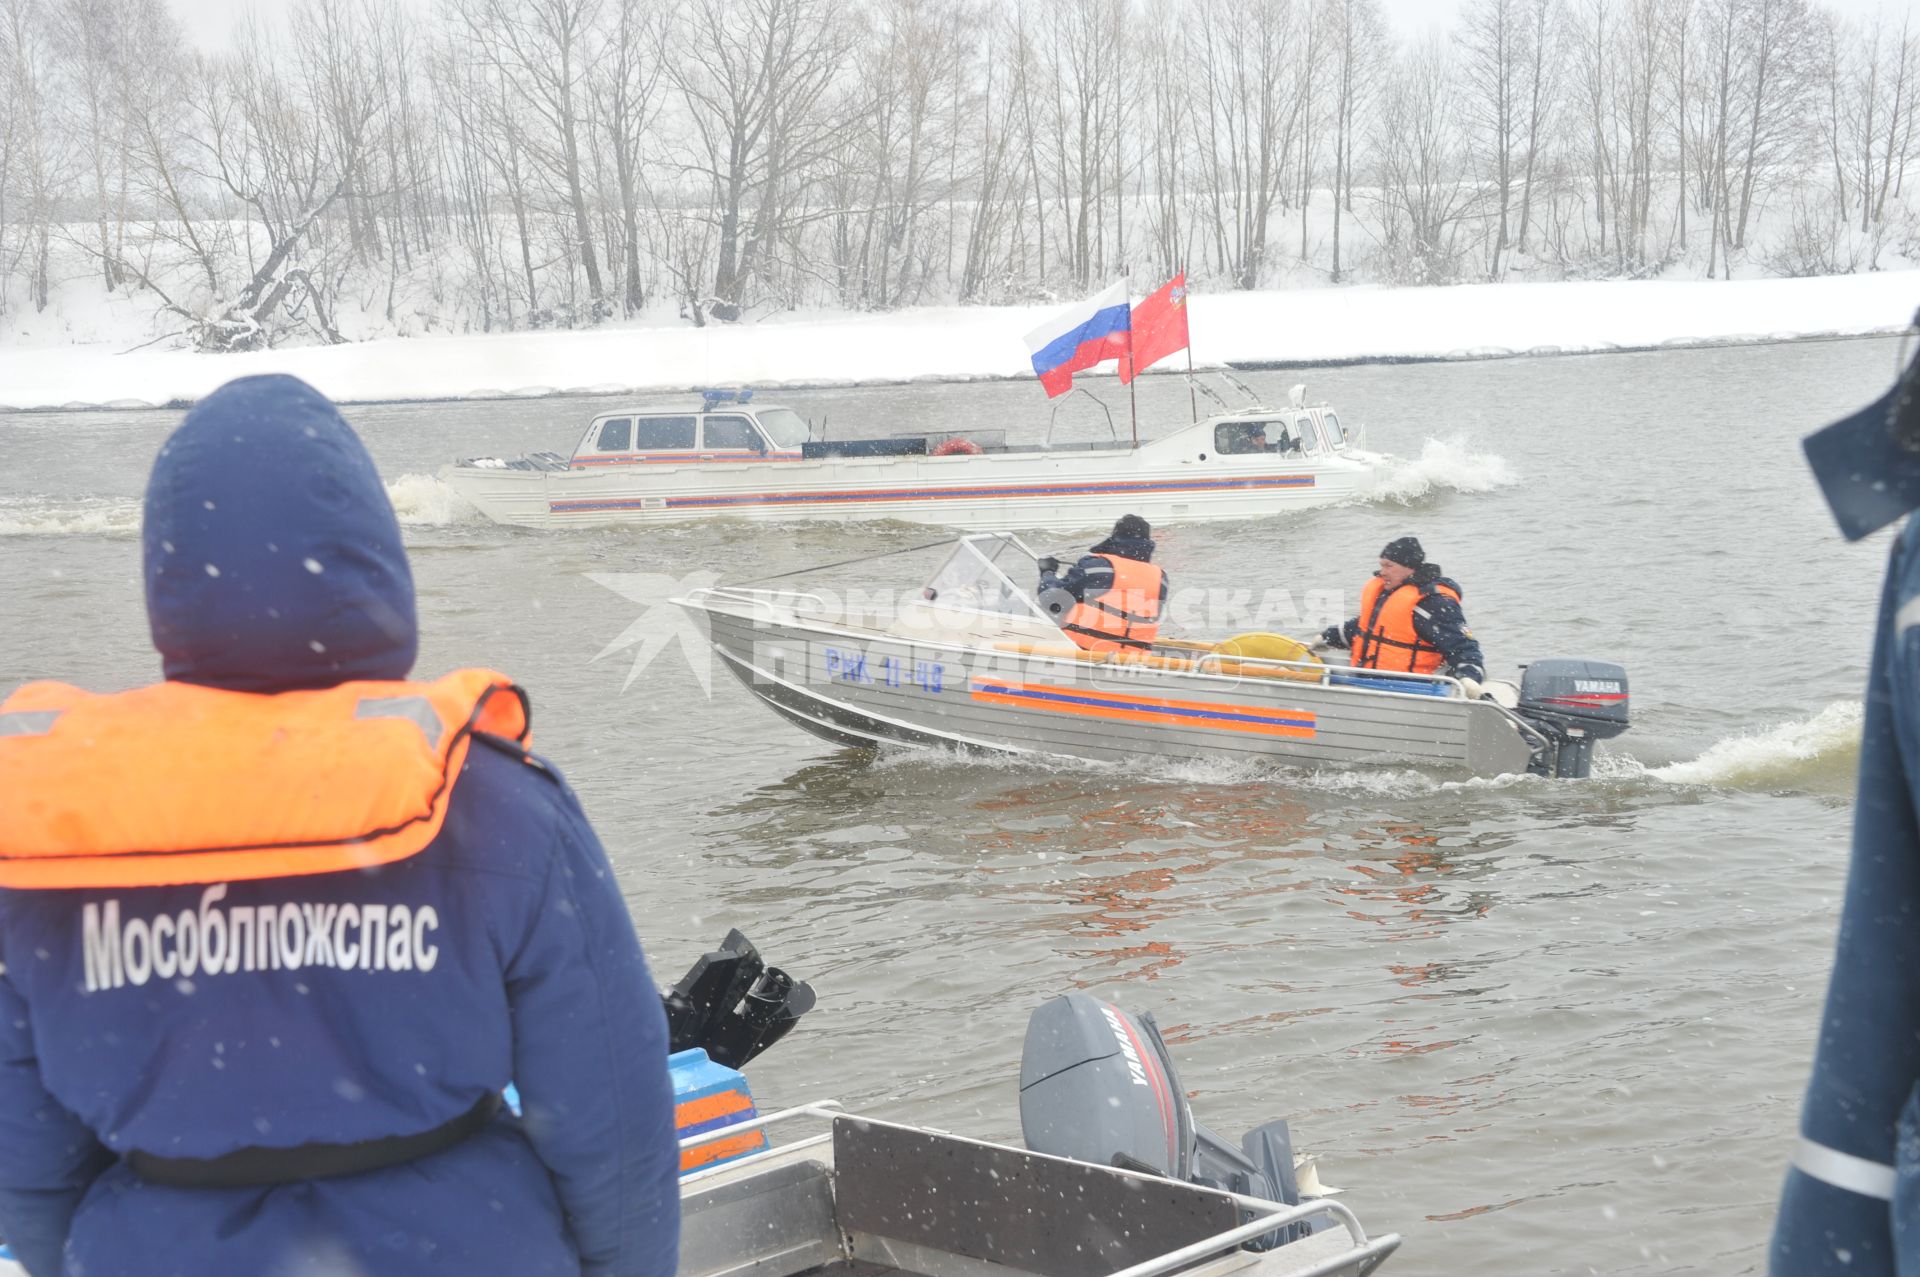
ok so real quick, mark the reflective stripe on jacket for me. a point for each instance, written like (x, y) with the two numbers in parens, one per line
(1386, 638)
(1124, 615)
(179, 783)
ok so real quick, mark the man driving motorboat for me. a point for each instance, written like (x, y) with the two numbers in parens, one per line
(1111, 600)
(1410, 620)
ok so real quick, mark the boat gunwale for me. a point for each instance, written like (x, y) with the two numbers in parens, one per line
(1364, 1253)
(694, 601)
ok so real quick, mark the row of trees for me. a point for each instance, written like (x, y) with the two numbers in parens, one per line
(511, 163)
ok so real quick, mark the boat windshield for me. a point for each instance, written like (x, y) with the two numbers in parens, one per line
(787, 428)
(988, 572)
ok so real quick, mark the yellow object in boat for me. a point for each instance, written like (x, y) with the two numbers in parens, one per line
(1268, 647)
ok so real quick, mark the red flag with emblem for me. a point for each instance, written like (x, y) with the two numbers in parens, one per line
(1159, 328)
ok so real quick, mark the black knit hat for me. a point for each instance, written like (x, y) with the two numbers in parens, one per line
(1405, 551)
(1132, 527)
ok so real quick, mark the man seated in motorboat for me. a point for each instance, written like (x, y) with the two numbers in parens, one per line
(1112, 599)
(1410, 621)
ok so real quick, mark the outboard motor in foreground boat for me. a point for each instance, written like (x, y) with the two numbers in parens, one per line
(1097, 1085)
(733, 1004)
(1574, 703)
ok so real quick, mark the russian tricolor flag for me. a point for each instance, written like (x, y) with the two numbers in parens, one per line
(1080, 337)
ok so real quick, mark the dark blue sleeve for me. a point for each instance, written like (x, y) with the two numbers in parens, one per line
(1834, 1209)
(1439, 620)
(47, 1157)
(590, 1061)
(1090, 573)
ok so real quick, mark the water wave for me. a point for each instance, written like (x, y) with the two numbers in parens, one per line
(1443, 465)
(1821, 752)
(423, 501)
(109, 517)
(1384, 780)
(420, 500)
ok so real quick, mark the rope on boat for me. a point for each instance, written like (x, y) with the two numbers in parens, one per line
(864, 558)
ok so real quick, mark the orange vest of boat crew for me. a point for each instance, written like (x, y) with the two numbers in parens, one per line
(1126, 615)
(1387, 639)
(178, 783)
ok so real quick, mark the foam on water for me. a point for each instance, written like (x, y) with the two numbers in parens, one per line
(1821, 752)
(1443, 465)
(1365, 782)
(108, 518)
(422, 500)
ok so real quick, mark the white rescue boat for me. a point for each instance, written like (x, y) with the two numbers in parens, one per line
(731, 457)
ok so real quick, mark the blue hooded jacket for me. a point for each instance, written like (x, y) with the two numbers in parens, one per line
(1851, 1203)
(273, 561)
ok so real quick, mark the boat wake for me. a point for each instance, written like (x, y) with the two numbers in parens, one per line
(108, 517)
(1819, 753)
(420, 500)
(1185, 775)
(1443, 465)
(423, 501)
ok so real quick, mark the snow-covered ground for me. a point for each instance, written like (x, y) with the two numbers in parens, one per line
(1306, 325)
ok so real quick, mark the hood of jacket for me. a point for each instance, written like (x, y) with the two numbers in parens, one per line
(1140, 548)
(272, 557)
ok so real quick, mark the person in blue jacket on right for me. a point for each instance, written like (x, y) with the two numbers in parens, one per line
(1851, 1203)
(276, 932)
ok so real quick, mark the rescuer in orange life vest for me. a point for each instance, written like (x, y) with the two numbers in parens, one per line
(1410, 620)
(278, 930)
(1111, 600)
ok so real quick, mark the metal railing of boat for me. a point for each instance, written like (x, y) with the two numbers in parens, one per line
(741, 594)
(1268, 1215)
(1176, 660)
(1320, 672)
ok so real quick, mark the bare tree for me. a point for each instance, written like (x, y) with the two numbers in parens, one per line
(541, 50)
(1489, 38)
(1357, 44)
(1248, 125)
(1423, 201)
(626, 82)
(755, 79)
(42, 165)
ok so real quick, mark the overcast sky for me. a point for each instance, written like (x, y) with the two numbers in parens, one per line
(208, 22)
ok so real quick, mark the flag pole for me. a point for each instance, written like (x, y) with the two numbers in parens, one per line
(1133, 376)
(1192, 399)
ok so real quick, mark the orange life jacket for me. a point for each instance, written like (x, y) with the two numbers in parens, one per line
(1124, 615)
(177, 783)
(1387, 639)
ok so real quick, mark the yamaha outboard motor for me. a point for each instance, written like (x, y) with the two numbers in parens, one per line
(1097, 1085)
(1574, 703)
(734, 1004)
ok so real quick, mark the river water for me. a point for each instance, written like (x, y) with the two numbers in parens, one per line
(1535, 1027)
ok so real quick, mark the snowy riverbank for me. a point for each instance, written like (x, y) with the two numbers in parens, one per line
(1327, 325)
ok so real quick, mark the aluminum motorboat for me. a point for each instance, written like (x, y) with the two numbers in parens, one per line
(974, 663)
(730, 456)
(1116, 1180)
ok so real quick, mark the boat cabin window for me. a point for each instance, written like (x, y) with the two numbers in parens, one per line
(787, 428)
(656, 433)
(1335, 435)
(1234, 437)
(1309, 436)
(614, 435)
(731, 434)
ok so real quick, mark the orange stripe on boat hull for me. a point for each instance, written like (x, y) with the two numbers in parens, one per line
(706, 1108)
(1157, 710)
(692, 1159)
